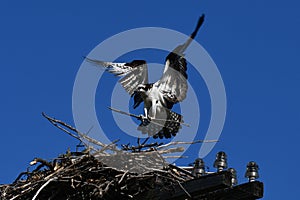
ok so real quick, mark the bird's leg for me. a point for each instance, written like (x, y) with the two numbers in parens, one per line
(153, 108)
(146, 112)
(145, 118)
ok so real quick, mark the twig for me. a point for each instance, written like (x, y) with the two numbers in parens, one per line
(15, 197)
(55, 122)
(166, 157)
(179, 142)
(139, 117)
(108, 146)
(43, 162)
(186, 192)
(43, 186)
(20, 175)
(80, 136)
(107, 187)
(145, 141)
(171, 150)
(125, 173)
(181, 170)
(140, 147)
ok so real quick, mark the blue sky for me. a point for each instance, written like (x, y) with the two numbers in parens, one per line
(254, 44)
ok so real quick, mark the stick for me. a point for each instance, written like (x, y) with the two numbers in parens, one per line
(20, 175)
(186, 192)
(43, 186)
(178, 142)
(125, 113)
(80, 136)
(166, 157)
(171, 150)
(108, 146)
(123, 176)
(180, 170)
(140, 147)
(139, 117)
(55, 122)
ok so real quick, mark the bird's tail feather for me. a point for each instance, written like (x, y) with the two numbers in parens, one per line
(180, 49)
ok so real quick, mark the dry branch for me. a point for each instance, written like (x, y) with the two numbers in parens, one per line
(85, 177)
(101, 171)
(77, 134)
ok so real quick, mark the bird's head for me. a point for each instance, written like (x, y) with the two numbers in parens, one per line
(144, 87)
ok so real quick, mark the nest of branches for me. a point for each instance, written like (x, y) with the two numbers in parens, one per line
(82, 176)
(106, 172)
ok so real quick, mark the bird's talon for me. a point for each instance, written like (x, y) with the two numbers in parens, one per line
(145, 120)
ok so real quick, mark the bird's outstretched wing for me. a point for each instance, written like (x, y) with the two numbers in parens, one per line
(173, 83)
(134, 73)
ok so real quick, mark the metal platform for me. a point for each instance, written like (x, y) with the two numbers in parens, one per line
(216, 186)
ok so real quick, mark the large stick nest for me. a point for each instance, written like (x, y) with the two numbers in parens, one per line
(82, 176)
(100, 171)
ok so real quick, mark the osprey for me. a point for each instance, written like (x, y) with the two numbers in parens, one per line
(159, 97)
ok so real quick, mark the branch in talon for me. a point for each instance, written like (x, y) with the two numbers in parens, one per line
(145, 120)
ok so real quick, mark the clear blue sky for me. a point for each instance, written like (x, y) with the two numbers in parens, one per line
(255, 45)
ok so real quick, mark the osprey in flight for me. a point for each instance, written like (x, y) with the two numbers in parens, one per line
(159, 97)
